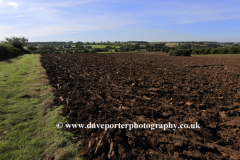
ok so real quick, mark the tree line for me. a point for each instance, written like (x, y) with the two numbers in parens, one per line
(205, 51)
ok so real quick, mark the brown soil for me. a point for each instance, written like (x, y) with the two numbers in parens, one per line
(152, 89)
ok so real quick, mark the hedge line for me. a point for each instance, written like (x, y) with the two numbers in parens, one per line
(7, 51)
(219, 50)
(209, 50)
(181, 52)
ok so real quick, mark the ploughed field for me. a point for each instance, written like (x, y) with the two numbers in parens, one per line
(126, 88)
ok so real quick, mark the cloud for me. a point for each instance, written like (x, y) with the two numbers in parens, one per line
(14, 4)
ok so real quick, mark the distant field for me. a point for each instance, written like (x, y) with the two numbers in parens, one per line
(100, 46)
(171, 44)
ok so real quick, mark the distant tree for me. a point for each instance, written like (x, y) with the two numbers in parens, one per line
(224, 50)
(167, 49)
(207, 50)
(214, 51)
(202, 51)
(195, 51)
(32, 48)
(181, 52)
(93, 43)
(116, 50)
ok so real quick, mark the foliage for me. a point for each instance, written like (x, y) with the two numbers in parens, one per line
(85, 50)
(181, 52)
(219, 50)
(32, 48)
(17, 42)
(7, 51)
(184, 46)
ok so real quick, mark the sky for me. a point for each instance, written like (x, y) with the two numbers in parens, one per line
(121, 20)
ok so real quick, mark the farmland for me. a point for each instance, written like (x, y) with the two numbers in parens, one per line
(126, 88)
(196, 48)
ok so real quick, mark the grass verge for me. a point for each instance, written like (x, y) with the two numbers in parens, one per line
(215, 54)
(28, 115)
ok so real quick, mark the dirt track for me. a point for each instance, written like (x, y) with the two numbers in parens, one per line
(152, 89)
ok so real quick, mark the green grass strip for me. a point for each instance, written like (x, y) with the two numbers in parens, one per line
(214, 54)
(28, 115)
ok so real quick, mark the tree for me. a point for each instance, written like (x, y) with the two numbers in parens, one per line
(17, 42)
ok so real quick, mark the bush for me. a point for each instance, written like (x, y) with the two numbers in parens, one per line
(7, 51)
(181, 52)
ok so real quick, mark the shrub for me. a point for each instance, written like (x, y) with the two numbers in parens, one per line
(7, 51)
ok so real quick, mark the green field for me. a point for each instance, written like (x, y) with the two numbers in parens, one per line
(101, 46)
(215, 54)
(28, 115)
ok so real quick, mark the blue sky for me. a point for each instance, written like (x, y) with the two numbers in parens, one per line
(121, 20)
